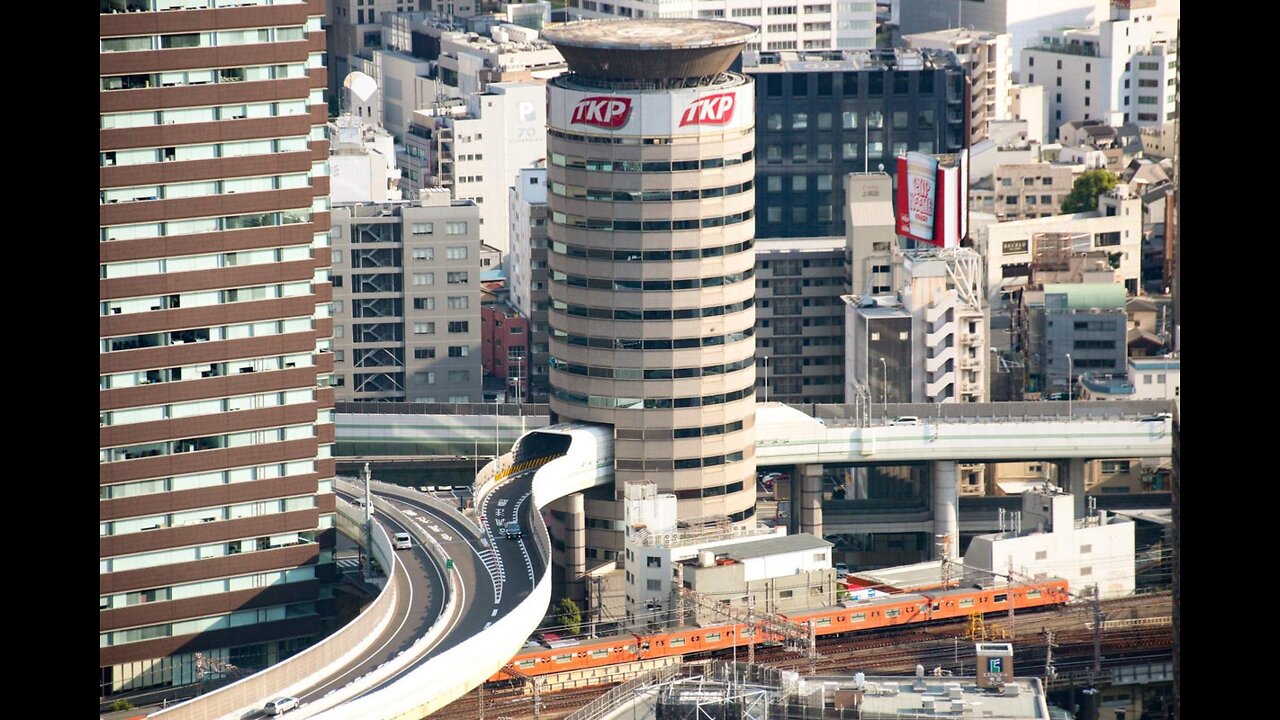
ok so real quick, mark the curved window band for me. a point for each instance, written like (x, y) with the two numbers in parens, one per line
(679, 433)
(641, 285)
(626, 196)
(662, 344)
(651, 374)
(628, 315)
(600, 165)
(624, 255)
(612, 403)
(578, 221)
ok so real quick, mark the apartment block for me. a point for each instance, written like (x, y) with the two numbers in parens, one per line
(216, 506)
(988, 59)
(526, 270)
(800, 319)
(407, 300)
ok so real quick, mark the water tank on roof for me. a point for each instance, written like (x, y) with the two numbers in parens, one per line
(706, 558)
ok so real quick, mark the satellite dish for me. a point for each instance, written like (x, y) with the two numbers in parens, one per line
(361, 85)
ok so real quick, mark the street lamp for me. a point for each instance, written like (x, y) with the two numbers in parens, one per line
(866, 139)
(885, 396)
(1070, 386)
(766, 378)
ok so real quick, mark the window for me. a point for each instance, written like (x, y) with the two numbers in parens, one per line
(654, 562)
(422, 228)
(424, 353)
(424, 253)
(1085, 549)
(455, 253)
(459, 326)
(424, 303)
(457, 278)
(424, 328)
(456, 228)
(653, 585)
(428, 278)
(456, 376)
(457, 351)
(849, 119)
(459, 302)
(799, 121)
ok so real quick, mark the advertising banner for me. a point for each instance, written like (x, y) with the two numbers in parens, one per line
(933, 198)
(651, 113)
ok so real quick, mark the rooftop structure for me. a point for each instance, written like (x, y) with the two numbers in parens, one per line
(647, 49)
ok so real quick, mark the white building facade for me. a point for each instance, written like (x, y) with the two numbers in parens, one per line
(1093, 554)
(1121, 70)
(942, 290)
(988, 56)
(1008, 247)
(811, 25)
(362, 163)
(1022, 19)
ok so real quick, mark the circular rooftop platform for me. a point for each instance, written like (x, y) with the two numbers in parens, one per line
(649, 49)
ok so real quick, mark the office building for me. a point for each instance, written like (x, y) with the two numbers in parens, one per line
(800, 319)
(820, 116)
(216, 413)
(650, 142)
(407, 300)
(1070, 329)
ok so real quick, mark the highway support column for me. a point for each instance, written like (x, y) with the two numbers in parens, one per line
(575, 547)
(946, 506)
(809, 503)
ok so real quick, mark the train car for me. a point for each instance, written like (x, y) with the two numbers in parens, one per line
(886, 611)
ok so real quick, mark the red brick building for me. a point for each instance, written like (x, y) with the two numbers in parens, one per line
(504, 343)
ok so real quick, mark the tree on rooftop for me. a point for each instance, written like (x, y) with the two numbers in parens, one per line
(1087, 188)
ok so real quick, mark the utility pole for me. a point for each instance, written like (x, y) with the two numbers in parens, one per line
(368, 522)
(751, 628)
(1097, 635)
(1049, 670)
(813, 649)
(1012, 633)
(480, 701)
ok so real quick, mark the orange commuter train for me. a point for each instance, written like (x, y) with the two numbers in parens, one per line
(881, 612)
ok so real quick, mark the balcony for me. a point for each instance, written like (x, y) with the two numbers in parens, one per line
(1071, 48)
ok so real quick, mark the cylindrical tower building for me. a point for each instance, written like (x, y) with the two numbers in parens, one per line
(651, 165)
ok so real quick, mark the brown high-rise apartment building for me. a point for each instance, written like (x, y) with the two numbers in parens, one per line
(651, 200)
(215, 482)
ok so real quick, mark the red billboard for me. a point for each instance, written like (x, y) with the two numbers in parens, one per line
(933, 197)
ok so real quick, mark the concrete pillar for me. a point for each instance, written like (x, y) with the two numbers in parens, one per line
(810, 501)
(946, 506)
(1075, 485)
(575, 547)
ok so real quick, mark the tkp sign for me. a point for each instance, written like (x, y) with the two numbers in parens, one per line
(607, 112)
(710, 110)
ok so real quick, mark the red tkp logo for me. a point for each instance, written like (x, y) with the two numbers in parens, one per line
(710, 110)
(609, 112)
